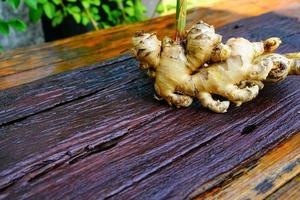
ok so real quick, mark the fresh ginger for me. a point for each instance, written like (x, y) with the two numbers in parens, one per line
(203, 67)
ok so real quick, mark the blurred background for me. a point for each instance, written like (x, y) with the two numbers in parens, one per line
(28, 22)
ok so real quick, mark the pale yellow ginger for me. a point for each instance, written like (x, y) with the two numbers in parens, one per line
(203, 45)
(235, 70)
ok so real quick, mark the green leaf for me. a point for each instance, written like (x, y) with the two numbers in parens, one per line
(4, 28)
(171, 7)
(71, 0)
(95, 2)
(18, 25)
(49, 9)
(14, 3)
(84, 19)
(96, 17)
(139, 9)
(1, 48)
(85, 3)
(57, 19)
(116, 13)
(73, 9)
(106, 9)
(57, 2)
(129, 11)
(77, 17)
(35, 15)
(42, 1)
(160, 9)
(31, 4)
(104, 25)
(95, 10)
(129, 3)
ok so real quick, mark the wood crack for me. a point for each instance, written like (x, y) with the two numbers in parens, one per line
(190, 150)
(235, 173)
(60, 104)
(194, 148)
(70, 157)
(20, 119)
(44, 167)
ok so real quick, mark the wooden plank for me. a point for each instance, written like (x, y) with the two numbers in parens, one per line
(186, 150)
(21, 102)
(264, 177)
(290, 191)
(109, 138)
(188, 153)
(26, 65)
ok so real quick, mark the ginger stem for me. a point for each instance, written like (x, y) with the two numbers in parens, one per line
(181, 11)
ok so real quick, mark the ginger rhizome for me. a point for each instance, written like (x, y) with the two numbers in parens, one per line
(203, 66)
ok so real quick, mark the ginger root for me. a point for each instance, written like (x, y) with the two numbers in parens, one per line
(203, 67)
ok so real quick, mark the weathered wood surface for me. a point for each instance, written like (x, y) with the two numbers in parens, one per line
(290, 191)
(96, 132)
(274, 176)
(25, 65)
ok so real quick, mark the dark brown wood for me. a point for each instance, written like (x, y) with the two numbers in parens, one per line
(97, 132)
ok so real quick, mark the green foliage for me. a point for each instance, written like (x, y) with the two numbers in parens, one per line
(31, 3)
(14, 3)
(4, 28)
(127, 12)
(17, 24)
(83, 12)
(35, 14)
(169, 6)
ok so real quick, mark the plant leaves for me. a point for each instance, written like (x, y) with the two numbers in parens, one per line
(1, 48)
(106, 9)
(129, 3)
(95, 10)
(96, 17)
(57, 2)
(85, 3)
(49, 10)
(57, 19)
(18, 25)
(73, 9)
(42, 1)
(35, 15)
(84, 19)
(129, 11)
(104, 25)
(14, 3)
(4, 28)
(31, 4)
(77, 17)
(95, 2)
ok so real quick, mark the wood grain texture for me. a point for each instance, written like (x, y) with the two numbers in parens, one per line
(97, 133)
(277, 170)
(28, 64)
(84, 82)
(290, 191)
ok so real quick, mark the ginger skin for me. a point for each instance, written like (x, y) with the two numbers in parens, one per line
(236, 69)
(204, 45)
